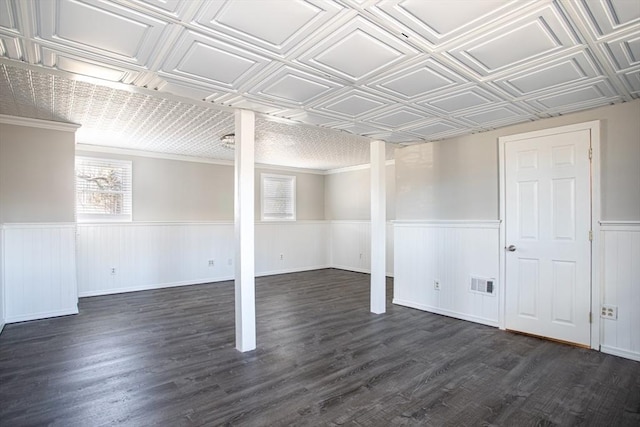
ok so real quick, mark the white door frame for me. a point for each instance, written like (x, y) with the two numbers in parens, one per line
(594, 128)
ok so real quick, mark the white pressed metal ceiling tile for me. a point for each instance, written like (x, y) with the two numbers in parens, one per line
(426, 77)
(274, 25)
(200, 59)
(101, 28)
(86, 67)
(535, 36)
(356, 50)
(569, 70)
(439, 21)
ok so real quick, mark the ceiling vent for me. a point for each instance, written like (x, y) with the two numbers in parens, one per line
(481, 285)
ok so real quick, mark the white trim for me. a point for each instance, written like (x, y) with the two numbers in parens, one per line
(356, 168)
(37, 123)
(181, 158)
(491, 224)
(31, 225)
(42, 315)
(594, 128)
(128, 289)
(615, 351)
(190, 223)
(448, 313)
(619, 225)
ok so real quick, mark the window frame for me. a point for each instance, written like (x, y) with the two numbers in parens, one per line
(263, 178)
(127, 193)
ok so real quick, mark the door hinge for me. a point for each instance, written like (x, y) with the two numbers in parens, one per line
(590, 317)
(590, 235)
(590, 153)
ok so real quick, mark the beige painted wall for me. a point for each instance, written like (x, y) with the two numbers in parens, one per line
(458, 178)
(36, 175)
(348, 194)
(175, 190)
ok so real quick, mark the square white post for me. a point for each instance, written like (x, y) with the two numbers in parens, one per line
(245, 292)
(378, 228)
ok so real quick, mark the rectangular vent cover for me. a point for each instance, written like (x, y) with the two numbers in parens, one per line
(482, 285)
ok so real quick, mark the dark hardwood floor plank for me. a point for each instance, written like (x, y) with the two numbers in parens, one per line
(167, 357)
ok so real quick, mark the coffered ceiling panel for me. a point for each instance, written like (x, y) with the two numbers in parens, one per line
(591, 95)
(274, 25)
(470, 97)
(418, 80)
(100, 27)
(289, 85)
(201, 59)
(573, 69)
(536, 36)
(166, 75)
(441, 20)
(608, 16)
(376, 50)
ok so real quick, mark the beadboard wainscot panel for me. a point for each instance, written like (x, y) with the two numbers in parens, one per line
(39, 269)
(620, 287)
(126, 257)
(289, 246)
(449, 252)
(350, 246)
(2, 321)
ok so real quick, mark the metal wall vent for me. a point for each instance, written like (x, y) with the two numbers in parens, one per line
(482, 285)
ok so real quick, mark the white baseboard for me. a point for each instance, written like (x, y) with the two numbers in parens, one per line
(448, 313)
(101, 292)
(43, 315)
(290, 270)
(633, 355)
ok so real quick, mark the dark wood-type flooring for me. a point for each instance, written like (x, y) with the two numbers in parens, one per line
(167, 357)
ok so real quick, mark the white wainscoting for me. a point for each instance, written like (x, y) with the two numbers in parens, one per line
(350, 246)
(620, 287)
(449, 252)
(2, 321)
(158, 255)
(285, 247)
(39, 271)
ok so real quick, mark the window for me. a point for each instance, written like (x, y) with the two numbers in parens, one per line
(103, 189)
(278, 197)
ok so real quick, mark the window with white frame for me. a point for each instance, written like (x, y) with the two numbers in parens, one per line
(278, 197)
(103, 189)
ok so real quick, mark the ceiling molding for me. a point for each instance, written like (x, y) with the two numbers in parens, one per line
(37, 123)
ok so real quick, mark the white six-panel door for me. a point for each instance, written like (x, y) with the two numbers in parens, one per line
(547, 226)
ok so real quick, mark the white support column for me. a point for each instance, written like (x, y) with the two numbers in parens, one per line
(378, 228)
(245, 295)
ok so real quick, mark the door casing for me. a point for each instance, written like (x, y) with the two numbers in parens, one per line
(594, 128)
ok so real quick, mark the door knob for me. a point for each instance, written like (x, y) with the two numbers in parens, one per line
(511, 248)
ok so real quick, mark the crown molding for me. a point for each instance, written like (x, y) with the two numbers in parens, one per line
(38, 123)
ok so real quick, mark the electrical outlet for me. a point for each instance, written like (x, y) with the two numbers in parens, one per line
(436, 285)
(281, 257)
(609, 312)
(212, 263)
(113, 270)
